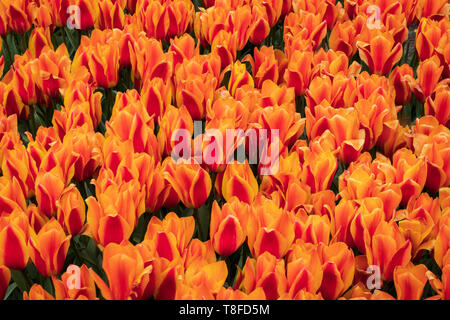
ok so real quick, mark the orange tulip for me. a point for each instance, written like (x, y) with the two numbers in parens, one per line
(5, 276)
(227, 230)
(429, 33)
(410, 281)
(191, 183)
(305, 25)
(75, 284)
(269, 229)
(37, 293)
(298, 71)
(71, 210)
(380, 53)
(49, 187)
(111, 15)
(429, 8)
(428, 74)
(411, 173)
(14, 233)
(239, 181)
(388, 249)
(399, 80)
(343, 38)
(338, 265)
(89, 12)
(438, 107)
(266, 272)
(125, 270)
(48, 249)
(19, 20)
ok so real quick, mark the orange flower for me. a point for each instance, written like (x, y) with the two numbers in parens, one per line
(227, 230)
(89, 12)
(71, 210)
(388, 249)
(269, 229)
(191, 183)
(75, 284)
(298, 71)
(14, 233)
(411, 174)
(19, 20)
(399, 80)
(169, 237)
(343, 38)
(305, 25)
(110, 16)
(438, 107)
(48, 249)
(238, 180)
(428, 74)
(49, 187)
(428, 36)
(380, 53)
(266, 272)
(37, 293)
(125, 270)
(338, 263)
(410, 281)
(114, 215)
(103, 61)
(39, 39)
(430, 8)
(5, 276)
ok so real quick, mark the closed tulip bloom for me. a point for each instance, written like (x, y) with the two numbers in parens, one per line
(103, 64)
(71, 210)
(428, 74)
(399, 80)
(19, 20)
(239, 181)
(37, 293)
(338, 263)
(49, 187)
(14, 233)
(298, 71)
(48, 249)
(227, 229)
(191, 182)
(411, 173)
(410, 281)
(111, 15)
(429, 33)
(89, 12)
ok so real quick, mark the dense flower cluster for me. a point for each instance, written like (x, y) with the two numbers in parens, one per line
(93, 204)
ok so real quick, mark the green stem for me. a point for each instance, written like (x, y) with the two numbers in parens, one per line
(200, 228)
(6, 53)
(27, 279)
(23, 42)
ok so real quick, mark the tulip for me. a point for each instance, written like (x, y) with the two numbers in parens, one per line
(49, 187)
(5, 276)
(71, 210)
(14, 233)
(191, 183)
(298, 71)
(239, 181)
(388, 249)
(239, 77)
(438, 107)
(227, 226)
(37, 293)
(343, 38)
(48, 249)
(88, 14)
(19, 20)
(429, 33)
(179, 230)
(103, 64)
(304, 269)
(75, 284)
(266, 272)
(269, 229)
(399, 80)
(110, 16)
(428, 8)
(156, 96)
(428, 74)
(411, 174)
(307, 26)
(39, 39)
(125, 270)
(114, 215)
(338, 265)
(410, 281)
(381, 53)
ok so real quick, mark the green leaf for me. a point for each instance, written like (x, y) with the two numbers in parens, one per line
(10, 289)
